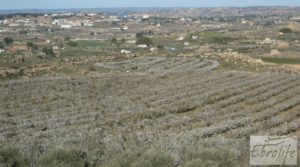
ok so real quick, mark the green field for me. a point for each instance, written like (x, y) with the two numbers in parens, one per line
(211, 37)
(93, 43)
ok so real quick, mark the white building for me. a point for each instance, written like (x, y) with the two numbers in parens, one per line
(142, 46)
(125, 28)
(56, 21)
(181, 38)
(131, 41)
(125, 51)
(55, 47)
(66, 26)
(146, 16)
(91, 14)
(153, 49)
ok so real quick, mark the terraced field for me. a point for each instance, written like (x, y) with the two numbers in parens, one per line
(161, 65)
(150, 99)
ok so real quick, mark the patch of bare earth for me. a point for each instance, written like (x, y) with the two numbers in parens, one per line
(295, 66)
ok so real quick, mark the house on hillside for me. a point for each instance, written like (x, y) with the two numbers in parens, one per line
(181, 38)
(142, 46)
(125, 51)
(66, 26)
(153, 49)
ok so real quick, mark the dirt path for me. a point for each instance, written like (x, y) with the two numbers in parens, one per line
(296, 66)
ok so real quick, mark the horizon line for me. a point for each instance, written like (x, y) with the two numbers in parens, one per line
(123, 7)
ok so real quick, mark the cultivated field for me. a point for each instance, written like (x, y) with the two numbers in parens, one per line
(138, 109)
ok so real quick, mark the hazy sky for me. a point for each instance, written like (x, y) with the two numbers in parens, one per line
(50, 4)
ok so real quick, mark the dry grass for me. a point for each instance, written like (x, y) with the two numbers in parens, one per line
(157, 114)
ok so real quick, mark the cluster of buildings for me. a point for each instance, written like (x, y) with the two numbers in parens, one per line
(51, 29)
